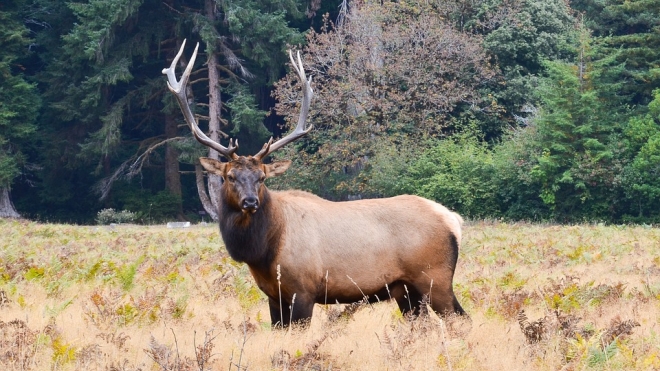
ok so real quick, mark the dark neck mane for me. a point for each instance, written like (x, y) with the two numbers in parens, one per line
(251, 238)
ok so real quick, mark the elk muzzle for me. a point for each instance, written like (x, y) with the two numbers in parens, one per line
(250, 204)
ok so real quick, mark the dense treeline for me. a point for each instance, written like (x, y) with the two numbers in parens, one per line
(515, 109)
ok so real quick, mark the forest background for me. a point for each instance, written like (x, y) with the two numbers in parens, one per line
(539, 110)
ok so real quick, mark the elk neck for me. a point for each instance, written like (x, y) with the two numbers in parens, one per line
(252, 238)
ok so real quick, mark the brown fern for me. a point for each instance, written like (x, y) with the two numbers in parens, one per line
(347, 312)
(617, 329)
(533, 331)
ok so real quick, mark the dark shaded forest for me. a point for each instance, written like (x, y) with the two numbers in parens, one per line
(538, 110)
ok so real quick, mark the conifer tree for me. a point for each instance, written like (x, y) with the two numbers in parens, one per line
(574, 162)
(109, 104)
(19, 102)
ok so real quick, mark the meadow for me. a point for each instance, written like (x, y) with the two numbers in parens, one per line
(128, 297)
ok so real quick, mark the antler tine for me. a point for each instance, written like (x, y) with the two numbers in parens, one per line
(178, 88)
(300, 130)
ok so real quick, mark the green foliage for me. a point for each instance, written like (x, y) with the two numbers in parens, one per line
(264, 31)
(178, 307)
(63, 352)
(19, 101)
(126, 314)
(391, 73)
(152, 208)
(534, 31)
(599, 356)
(246, 118)
(520, 35)
(629, 31)
(394, 82)
(387, 175)
(571, 159)
(101, 65)
(108, 216)
(641, 177)
(34, 273)
(126, 274)
(248, 294)
(459, 174)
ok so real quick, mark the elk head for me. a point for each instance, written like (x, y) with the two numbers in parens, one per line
(243, 176)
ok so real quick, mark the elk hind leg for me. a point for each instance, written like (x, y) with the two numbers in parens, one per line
(407, 298)
(440, 293)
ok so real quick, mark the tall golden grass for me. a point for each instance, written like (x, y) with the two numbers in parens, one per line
(540, 297)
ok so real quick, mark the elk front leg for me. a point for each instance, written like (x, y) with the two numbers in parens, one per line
(279, 317)
(301, 310)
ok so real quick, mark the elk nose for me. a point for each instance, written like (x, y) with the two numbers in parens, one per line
(250, 203)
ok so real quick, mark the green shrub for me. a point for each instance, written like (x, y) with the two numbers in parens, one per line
(457, 173)
(107, 216)
(153, 208)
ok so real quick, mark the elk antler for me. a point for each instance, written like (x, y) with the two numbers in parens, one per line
(300, 130)
(178, 88)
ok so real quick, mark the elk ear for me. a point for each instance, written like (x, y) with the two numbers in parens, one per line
(213, 166)
(276, 168)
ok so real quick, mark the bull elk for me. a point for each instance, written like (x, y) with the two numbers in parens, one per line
(302, 249)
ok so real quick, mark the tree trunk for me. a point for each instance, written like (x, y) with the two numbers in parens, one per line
(7, 209)
(215, 107)
(172, 175)
(201, 190)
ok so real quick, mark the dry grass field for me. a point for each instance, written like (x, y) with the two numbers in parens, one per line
(540, 297)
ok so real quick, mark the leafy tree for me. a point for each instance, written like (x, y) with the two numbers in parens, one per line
(386, 75)
(19, 102)
(518, 36)
(536, 31)
(641, 177)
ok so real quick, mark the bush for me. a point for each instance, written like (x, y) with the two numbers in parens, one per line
(152, 208)
(107, 216)
(458, 174)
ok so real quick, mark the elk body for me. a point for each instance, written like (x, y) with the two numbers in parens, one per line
(302, 249)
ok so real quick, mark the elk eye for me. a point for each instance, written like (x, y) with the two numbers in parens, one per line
(231, 178)
(262, 179)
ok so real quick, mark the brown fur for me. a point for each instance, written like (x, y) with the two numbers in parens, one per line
(402, 247)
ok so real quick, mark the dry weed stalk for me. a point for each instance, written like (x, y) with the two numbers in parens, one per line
(103, 311)
(312, 359)
(239, 365)
(553, 323)
(166, 358)
(575, 343)
(121, 366)
(17, 345)
(118, 340)
(443, 344)
(88, 356)
(399, 345)
(4, 299)
(204, 352)
(511, 303)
